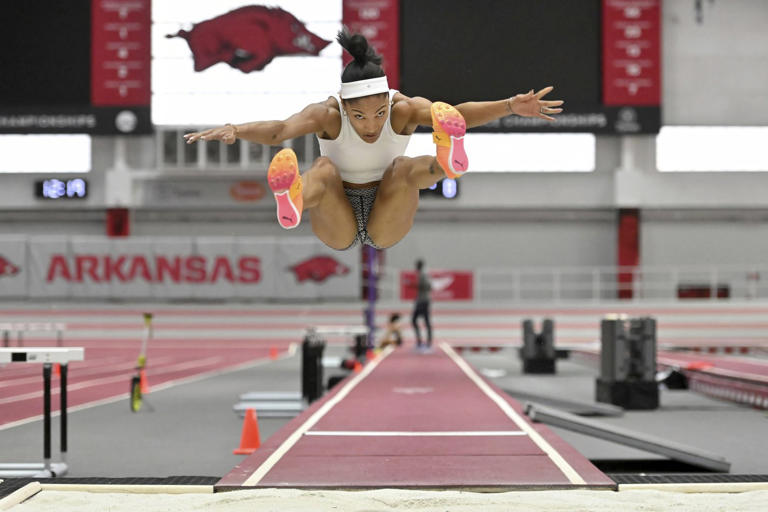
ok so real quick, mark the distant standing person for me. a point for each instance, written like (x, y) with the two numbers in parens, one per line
(421, 307)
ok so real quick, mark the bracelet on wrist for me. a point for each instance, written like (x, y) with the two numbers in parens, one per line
(509, 105)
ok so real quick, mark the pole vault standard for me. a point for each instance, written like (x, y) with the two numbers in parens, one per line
(139, 384)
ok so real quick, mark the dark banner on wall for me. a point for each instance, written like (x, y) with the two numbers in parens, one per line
(600, 120)
(519, 55)
(88, 70)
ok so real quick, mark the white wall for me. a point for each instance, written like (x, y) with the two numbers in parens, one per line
(715, 72)
(512, 241)
(699, 238)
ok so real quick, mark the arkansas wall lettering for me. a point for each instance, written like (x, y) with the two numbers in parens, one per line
(107, 268)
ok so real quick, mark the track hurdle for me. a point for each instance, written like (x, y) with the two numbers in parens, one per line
(20, 328)
(48, 356)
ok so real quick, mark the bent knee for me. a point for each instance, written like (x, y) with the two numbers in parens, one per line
(398, 170)
(400, 164)
(325, 165)
(325, 169)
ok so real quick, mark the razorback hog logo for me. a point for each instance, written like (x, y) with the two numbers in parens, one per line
(7, 268)
(249, 38)
(318, 269)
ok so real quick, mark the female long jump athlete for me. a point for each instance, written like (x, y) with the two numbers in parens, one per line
(362, 189)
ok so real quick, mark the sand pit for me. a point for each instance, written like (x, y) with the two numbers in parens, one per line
(385, 500)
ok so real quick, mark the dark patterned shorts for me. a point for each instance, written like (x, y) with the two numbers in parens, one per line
(362, 200)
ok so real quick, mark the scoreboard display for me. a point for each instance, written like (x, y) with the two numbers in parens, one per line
(61, 189)
(118, 66)
(602, 56)
(80, 66)
(447, 188)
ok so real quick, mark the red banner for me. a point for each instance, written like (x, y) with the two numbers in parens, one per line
(379, 22)
(121, 52)
(632, 52)
(446, 285)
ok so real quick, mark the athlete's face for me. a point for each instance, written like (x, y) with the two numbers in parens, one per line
(368, 115)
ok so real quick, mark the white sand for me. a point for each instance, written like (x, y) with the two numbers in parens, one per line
(289, 500)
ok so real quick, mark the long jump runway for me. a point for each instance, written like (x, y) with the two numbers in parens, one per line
(415, 420)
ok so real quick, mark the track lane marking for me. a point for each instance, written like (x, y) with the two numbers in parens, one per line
(159, 387)
(559, 461)
(89, 383)
(297, 434)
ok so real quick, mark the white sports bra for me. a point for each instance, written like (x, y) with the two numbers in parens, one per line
(359, 161)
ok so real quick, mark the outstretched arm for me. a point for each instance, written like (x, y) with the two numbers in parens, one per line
(315, 118)
(530, 104)
(477, 113)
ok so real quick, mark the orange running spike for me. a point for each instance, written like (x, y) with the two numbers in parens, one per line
(449, 127)
(285, 181)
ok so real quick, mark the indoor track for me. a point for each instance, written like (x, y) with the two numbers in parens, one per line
(244, 337)
(194, 341)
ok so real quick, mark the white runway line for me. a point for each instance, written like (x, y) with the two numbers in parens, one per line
(573, 476)
(278, 454)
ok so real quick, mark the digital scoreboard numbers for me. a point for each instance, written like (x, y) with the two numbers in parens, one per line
(446, 188)
(58, 189)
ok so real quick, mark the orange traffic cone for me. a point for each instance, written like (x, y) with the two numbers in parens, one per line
(57, 370)
(143, 381)
(358, 367)
(273, 353)
(370, 355)
(250, 439)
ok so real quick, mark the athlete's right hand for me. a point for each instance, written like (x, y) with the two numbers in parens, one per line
(224, 133)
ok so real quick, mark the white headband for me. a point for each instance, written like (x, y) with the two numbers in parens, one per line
(364, 87)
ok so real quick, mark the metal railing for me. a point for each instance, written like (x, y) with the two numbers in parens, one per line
(595, 284)
(173, 153)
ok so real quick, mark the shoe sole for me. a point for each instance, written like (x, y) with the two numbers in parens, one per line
(283, 172)
(447, 119)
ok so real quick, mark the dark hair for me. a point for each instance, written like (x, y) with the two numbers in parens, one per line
(394, 317)
(366, 62)
(419, 264)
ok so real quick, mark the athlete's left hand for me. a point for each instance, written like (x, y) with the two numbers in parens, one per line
(531, 104)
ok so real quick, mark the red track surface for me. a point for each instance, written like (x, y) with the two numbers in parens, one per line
(109, 365)
(191, 341)
(416, 420)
